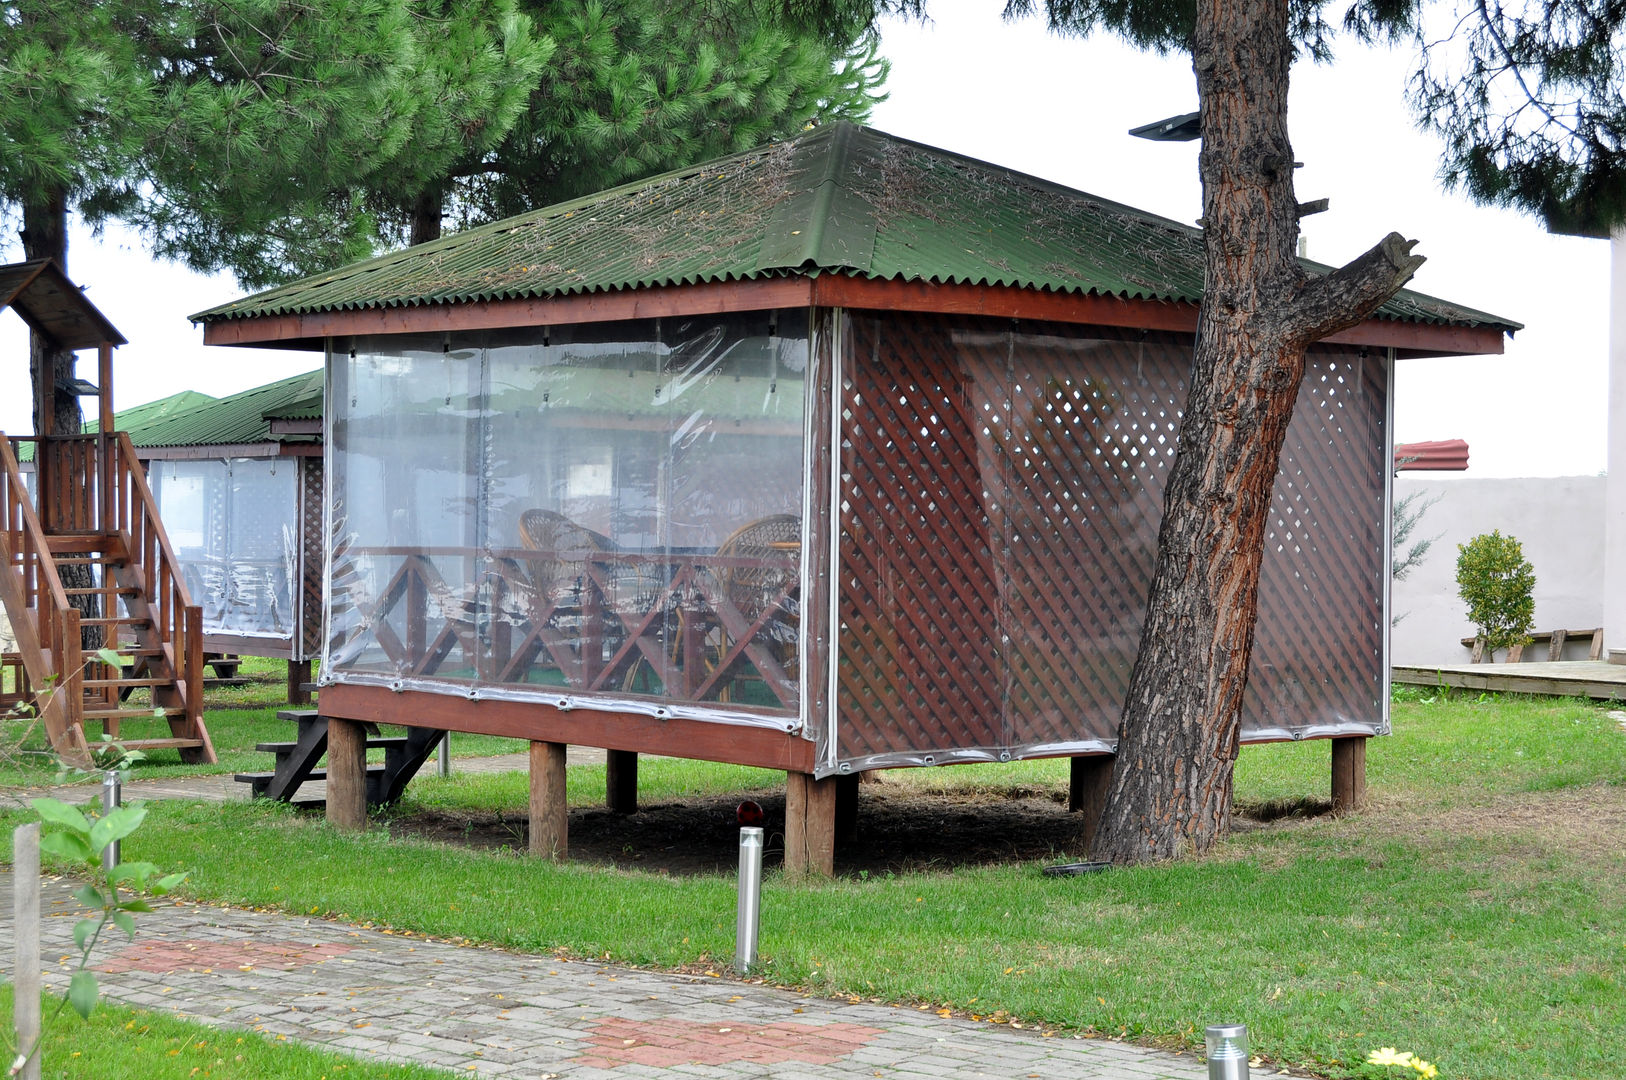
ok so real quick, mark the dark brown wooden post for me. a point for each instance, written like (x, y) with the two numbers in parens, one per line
(810, 825)
(1087, 791)
(621, 781)
(1348, 774)
(299, 673)
(550, 819)
(346, 774)
(847, 808)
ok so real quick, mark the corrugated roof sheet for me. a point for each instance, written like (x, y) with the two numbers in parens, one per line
(231, 420)
(839, 199)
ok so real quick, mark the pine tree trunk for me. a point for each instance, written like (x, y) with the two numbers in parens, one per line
(1171, 783)
(45, 236)
(426, 217)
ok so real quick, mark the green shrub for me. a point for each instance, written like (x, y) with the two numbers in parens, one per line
(1497, 581)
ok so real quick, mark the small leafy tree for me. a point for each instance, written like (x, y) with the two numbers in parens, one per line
(1497, 582)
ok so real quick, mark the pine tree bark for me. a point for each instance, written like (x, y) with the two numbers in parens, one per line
(1178, 737)
(45, 236)
(426, 216)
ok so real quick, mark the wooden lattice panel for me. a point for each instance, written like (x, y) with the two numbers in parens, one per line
(1001, 495)
(312, 554)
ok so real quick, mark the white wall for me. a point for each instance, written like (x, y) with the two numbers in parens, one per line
(1558, 520)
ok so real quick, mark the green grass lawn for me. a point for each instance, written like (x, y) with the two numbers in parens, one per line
(1475, 914)
(116, 1043)
(238, 719)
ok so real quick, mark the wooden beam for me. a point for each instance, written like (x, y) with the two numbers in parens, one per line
(621, 781)
(550, 814)
(1348, 774)
(810, 825)
(826, 290)
(346, 774)
(662, 302)
(705, 740)
(1087, 786)
(299, 673)
(104, 386)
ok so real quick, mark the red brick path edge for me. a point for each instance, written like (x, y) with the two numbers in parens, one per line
(200, 955)
(664, 1043)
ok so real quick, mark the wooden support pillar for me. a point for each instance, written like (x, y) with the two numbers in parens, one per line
(550, 819)
(346, 774)
(299, 673)
(810, 825)
(1348, 774)
(621, 781)
(1087, 791)
(847, 808)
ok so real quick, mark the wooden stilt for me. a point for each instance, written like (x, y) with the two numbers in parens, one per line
(346, 774)
(810, 826)
(550, 823)
(299, 673)
(847, 808)
(1348, 774)
(1087, 791)
(621, 781)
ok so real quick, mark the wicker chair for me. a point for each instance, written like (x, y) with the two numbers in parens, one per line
(752, 589)
(558, 581)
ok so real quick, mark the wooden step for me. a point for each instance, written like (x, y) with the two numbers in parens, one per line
(121, 590)
(158, 744)
(261, 779)
(139, 650)
(131, 714)
(85, 544)
(387, 742)
(134, 622)
(91, 684)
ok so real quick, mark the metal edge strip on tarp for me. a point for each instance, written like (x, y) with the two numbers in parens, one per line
(565, 702)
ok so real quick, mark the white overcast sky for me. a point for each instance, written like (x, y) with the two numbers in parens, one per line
(1060, 108)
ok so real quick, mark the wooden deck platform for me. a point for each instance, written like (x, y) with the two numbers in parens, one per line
(1564, 678)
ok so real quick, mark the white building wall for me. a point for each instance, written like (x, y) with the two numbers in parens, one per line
(1558, 520)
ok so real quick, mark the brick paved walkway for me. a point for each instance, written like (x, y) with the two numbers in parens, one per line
(493, 1013)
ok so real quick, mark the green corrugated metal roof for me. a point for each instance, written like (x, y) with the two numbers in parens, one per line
(140, 416)
(232, 420)
(839, 199)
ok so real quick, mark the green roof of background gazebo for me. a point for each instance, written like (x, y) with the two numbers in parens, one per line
(839, 199)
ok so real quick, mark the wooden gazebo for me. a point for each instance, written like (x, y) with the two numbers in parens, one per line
(842, 454)
(84, 560)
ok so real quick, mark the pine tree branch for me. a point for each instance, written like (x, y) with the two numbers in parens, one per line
(1345, 297)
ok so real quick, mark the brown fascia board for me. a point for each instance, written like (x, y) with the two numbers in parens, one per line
(830, 290)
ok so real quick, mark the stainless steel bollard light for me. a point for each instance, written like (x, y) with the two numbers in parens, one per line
(110, 802)
(1227, 1051)
(748, 913)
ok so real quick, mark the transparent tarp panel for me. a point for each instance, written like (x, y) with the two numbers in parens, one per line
(234, 525)
(1001, 496)
(610, 511)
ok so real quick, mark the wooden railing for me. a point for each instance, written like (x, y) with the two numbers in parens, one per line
(45, 625)
(128, 510)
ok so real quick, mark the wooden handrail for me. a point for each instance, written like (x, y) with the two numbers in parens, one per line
(14, 499)
(45, 624)
(130, 466)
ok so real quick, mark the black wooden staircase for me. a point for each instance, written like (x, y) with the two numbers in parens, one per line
(298, 761)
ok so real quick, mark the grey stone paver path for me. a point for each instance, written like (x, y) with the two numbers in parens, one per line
(486, 1012)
